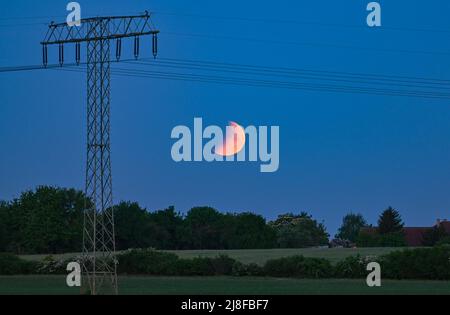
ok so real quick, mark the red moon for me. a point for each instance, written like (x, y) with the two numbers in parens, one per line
(234, 141)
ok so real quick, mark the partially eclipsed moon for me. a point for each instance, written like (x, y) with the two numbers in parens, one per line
(234, 141)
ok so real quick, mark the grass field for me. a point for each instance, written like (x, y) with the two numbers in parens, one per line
(230, 285)
(55, 285)
(260, 256)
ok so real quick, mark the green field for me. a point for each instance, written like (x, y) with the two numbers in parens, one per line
(260, 256)
(223, 285)
(230, 285)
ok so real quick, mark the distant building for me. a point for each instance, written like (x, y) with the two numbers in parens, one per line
(414, 235)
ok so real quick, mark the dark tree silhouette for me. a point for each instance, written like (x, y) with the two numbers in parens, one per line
(351, 225)
(390, 221)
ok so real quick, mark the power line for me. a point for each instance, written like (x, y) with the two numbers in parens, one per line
(50, 66)
(243, 19)
(252, 69)
(303, 70)
(300, 85)
(306, 44)
(283, 21)
(44, 19)
(270, 84)
(418, 85)
(282, 42)
(302, 74)
(12, 18)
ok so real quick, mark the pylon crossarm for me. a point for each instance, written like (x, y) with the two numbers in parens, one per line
(119, 27)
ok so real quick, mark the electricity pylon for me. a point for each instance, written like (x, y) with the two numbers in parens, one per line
(99, 264)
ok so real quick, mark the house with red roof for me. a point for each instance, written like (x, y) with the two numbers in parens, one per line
(414, 235)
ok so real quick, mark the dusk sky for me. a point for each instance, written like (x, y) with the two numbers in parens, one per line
(339, 152)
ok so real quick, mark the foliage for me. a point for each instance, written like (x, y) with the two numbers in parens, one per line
(435, 235)
(204, 226)
(351, 225)
(247, 270)
(366, 239)
(5, 231)
(50, 265)
(147, 261)
(151, 262)
(248, 231)
(169, 229)
(352, 267)
(422, 263)
(47, 220)
(444, 241)
(299, 267)
(138, 228)
(133, 227)
(392, 240)
(205, 266)
(13, 265)
(375, 239)
(299, 231)
(389, 222)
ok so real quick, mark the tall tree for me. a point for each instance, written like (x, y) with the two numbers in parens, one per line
(4, 226)
(47, 220)
(351, 225)
(247, 231)
(299, 231)
(133, 227)
(390, 221)
(204, 228)
(434, 235)
(170, 228)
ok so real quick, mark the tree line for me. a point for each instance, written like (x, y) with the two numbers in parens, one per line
(49, 220)
(388, 232)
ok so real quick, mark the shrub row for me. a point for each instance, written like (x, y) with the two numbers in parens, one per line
(13, 265)
(425, 263)
(151, 262)
(422, 263)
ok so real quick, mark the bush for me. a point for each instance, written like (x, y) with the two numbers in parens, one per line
(444, 241)
(147, 261)
(151, 262)
(50, 265)
(353, 267)
(223, 265)
(250, 270)
(422, 263)
(13, 265)
(199, 266)
(299, 267)
(204, 266)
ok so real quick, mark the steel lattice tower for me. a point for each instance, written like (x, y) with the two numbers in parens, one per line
(98, 259)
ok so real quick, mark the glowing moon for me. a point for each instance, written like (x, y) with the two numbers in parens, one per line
(234, 141)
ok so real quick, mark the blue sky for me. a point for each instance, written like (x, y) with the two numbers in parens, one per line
(339, 152)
